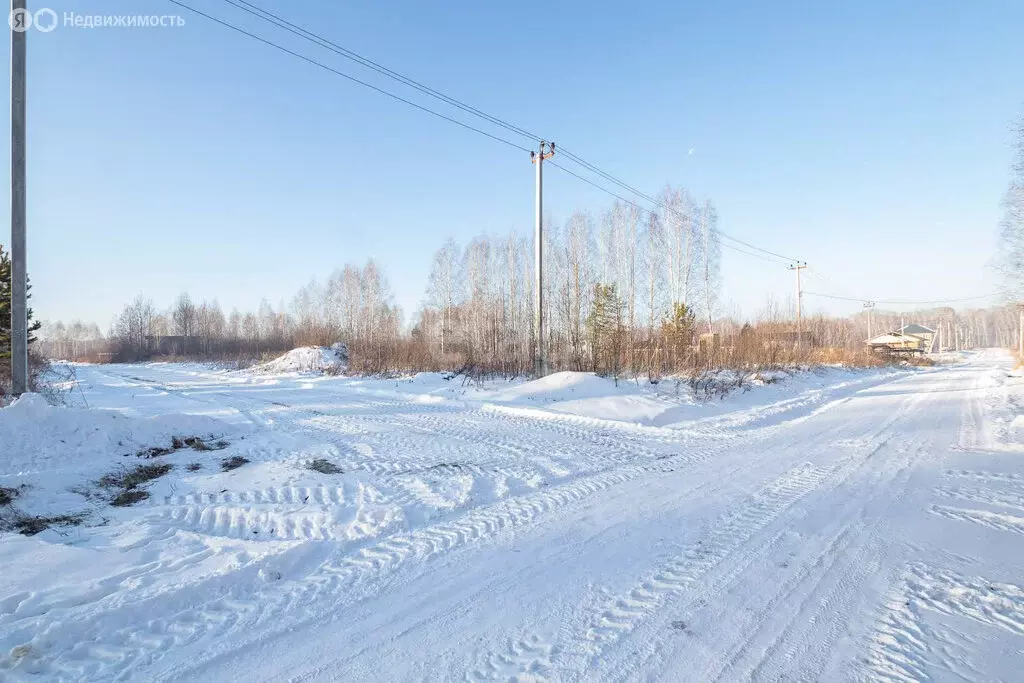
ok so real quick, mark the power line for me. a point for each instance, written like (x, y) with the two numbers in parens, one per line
(661, 204)
(652, 213)
(281, 22)
(826, 281)
(323, 42)
(903, 302)
(353, 79)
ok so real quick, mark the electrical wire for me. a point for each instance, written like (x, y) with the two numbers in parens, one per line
(353, 79)
(652, 213)
(321, 41)
(281, 22)
(764, 254)
(661, 204)
(904, 302)
(825, 281)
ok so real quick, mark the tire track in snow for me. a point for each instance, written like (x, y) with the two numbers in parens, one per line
(974, 433)
(266, 524)
(904, 646)
(534, 459)
(992, 520)
(728, 533)
(987, 476)
(976, 495)
(645, 599)
(229, 605)
(834, 581)
(834, 577)
(333, 578)
(231, 521)
(128, 636)
(624, 613)
(280, 513)
(291, 495)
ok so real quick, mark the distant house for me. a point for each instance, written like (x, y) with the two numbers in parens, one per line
(924, 333)
(908, 339)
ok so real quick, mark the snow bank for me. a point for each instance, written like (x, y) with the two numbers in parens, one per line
(765, 397)
(318, 359)
(52, 457)
(588, 395)
(35, 436)
(758, 400)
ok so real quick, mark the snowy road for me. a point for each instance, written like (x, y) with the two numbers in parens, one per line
(873, 530)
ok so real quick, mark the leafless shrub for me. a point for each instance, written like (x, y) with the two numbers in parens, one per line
(232, 463)
(7, 495)
(131, 497)
(324, 466)
(133, 478)
(197, 443)
(32, 525)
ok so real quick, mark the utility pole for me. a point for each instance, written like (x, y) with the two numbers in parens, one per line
(20, 20)
(869, 305)
(798, 266)
(547, 150)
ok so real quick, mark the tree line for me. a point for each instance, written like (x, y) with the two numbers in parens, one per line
(626, 291)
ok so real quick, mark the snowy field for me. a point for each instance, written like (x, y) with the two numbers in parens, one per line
(836, 525)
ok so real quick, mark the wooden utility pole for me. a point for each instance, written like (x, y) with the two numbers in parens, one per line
(798, 266)
(547, 150)
(869, 305)
(20, 21)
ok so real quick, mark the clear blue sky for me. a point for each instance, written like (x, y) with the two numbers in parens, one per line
(868, 138)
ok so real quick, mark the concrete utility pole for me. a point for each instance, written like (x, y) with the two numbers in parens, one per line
(547, 150)
(869, 305)
(20, 20)
(798, 266)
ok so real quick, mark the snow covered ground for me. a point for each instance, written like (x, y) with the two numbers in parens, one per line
(839, 525)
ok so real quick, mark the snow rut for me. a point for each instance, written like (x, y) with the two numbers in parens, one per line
(905, 646)
(275, 525)
(290, 495)
(987, 476)
(1005, 490)
(689, 572)
(792, 634)
(280, 513)
(1010, 499)
(624, 613)
(992, 520)
(248, 606)
(729, 533)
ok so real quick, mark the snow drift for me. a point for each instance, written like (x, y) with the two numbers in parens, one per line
(36, 436)
(50, 455)
(318, 359)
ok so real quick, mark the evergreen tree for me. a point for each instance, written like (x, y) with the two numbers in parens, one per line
(605, 324)
(678, 331)
(5, 308)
